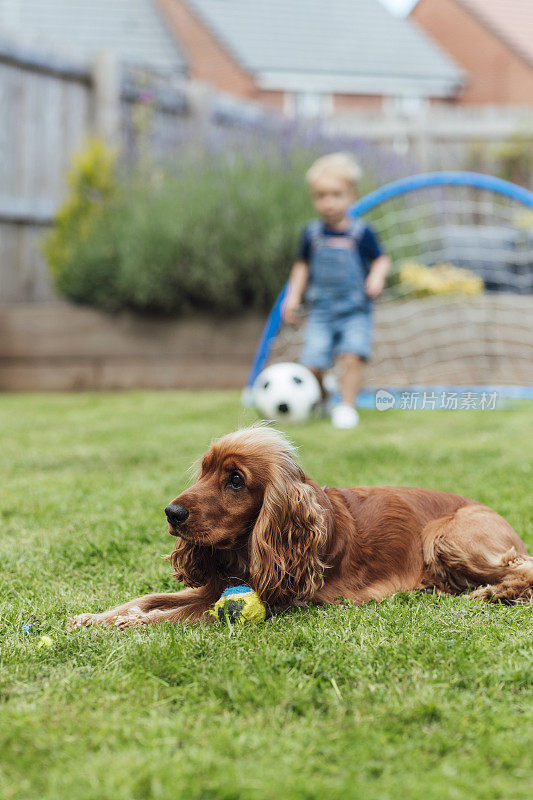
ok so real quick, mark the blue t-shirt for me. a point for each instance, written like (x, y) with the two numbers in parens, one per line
(369, 245)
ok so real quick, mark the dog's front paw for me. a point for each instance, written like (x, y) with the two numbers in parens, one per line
(84, 620)
(127, 621)
(134, 617)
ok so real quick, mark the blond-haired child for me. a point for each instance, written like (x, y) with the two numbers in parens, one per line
(343, 267)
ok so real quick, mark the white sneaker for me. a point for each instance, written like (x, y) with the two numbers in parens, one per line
(344, 416)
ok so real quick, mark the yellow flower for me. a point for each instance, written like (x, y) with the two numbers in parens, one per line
(92, 183)
(440, 279)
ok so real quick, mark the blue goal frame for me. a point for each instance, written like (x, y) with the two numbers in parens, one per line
(426, 180)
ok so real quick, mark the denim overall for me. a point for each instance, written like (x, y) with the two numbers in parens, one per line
(340, 319)
(336, 274)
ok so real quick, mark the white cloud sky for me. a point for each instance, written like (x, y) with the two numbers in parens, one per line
(398, 6)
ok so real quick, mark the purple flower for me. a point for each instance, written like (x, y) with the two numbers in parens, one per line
(146, 96)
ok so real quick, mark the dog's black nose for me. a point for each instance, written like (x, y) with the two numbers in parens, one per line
(176, 514)
(283, 408)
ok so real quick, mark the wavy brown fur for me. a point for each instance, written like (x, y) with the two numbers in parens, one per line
(296, 542)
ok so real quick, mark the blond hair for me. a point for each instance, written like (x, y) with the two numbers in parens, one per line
(339, 165)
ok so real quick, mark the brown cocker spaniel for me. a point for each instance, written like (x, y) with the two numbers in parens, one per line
(254, 517)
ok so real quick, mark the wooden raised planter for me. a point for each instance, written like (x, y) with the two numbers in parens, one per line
(59, 346)
(63, 347)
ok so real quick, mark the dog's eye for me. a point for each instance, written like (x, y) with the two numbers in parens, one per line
(236, 481)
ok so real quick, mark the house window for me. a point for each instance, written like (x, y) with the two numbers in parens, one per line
(406, 105)
(311, 105)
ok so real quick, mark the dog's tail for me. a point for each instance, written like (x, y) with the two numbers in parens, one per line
(515, 584)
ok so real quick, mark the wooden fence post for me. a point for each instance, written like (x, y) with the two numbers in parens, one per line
(106, 97)
(199, 99)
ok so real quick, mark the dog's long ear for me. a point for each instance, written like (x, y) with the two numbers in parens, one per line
(285, 563)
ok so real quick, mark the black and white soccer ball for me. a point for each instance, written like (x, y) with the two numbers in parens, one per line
(286, 392)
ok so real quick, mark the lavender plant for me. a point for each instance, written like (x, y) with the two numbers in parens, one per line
(211, 228)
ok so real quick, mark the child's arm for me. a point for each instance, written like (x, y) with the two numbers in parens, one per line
(375, 280)
(297, 283)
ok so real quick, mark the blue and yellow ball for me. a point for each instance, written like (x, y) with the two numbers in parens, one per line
(239, 604)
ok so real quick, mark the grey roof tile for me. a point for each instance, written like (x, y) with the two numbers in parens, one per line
(351, 37)
(134, 29)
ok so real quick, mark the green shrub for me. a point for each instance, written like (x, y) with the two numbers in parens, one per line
(510, 159)
(212, 234)
(93, 185)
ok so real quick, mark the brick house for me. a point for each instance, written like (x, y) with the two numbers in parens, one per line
(492, 40)
(310, 57)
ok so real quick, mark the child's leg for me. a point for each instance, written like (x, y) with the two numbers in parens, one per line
(351, 371)
(317, 352)
(319, 375)
(354, 347)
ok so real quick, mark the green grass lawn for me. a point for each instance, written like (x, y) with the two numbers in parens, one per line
(418, 698)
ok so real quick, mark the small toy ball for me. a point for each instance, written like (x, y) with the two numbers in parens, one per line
(45, 641)
(239, 604)
(286, 392)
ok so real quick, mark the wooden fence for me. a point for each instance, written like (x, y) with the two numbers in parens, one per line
(450, 137)
(46, 112)
(49, 109)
